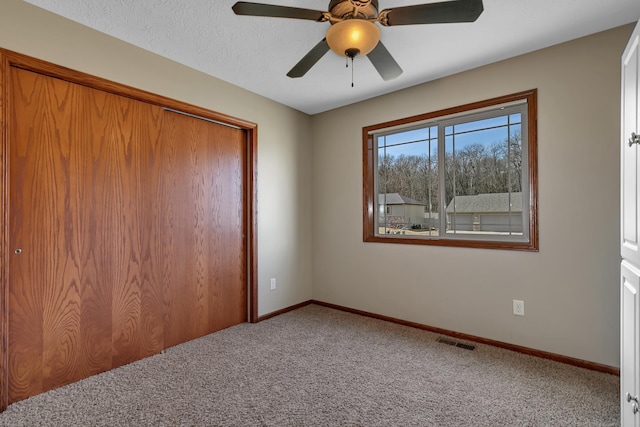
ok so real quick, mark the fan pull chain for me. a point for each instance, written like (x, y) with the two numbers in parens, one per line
(347, 66)
(351, 72)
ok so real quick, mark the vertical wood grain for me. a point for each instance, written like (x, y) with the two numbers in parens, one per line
(126, 130)
(25, 307)
(83, 298)
(133, 225)
(201, 194)
(54, 280)
(227, 304)
(4, 231)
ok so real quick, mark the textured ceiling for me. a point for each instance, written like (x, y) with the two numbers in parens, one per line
(256, 52)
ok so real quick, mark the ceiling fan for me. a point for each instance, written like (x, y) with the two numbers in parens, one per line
(353, 31)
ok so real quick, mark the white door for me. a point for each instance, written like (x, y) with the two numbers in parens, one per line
(630, 234)
(630, 238)
(630, 284)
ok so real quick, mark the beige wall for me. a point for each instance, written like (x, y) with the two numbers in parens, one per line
(570, 287)
(284, 149)
(309, 165)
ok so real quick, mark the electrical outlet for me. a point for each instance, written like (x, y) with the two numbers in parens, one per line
(518, 307)
(273, 284)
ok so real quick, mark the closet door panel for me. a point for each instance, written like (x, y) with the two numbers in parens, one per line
(201, 198)
(126, 131)
(59, 304)
(83, 293)
(229, 290)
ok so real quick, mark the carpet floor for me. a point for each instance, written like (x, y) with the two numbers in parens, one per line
(321, 367)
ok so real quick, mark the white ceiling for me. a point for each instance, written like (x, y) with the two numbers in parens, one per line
(257, 52)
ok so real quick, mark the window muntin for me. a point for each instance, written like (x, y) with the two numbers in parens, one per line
(479, 159)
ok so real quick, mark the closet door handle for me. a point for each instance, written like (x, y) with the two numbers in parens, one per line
(635, 139)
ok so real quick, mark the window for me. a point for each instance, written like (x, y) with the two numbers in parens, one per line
(464, 176)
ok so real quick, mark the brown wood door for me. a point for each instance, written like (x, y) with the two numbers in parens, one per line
(200, 199)
(81, 296)
(126, 231)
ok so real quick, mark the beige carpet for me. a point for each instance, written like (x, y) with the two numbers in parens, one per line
(321, 367)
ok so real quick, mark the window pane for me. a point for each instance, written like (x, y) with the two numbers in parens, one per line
(483, 179)
(407, 183)
(481, 124)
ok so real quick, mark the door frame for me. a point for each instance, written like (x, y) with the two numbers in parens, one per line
(10, 59)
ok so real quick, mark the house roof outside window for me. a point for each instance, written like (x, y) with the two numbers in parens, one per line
(397, 199)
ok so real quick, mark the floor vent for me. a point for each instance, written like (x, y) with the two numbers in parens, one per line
(455, 343)
(466, 346)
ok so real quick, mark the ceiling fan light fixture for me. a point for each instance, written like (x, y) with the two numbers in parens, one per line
(353, 35)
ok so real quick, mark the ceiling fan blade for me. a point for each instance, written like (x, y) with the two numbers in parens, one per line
(433, 13)
(309, 60)
(259, 9)
(382, 60)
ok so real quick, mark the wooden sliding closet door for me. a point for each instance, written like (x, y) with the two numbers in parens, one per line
(200, 202)
(127, 230)
(84, 294)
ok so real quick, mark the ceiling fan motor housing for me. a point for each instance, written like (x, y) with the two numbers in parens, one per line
(344, 9)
